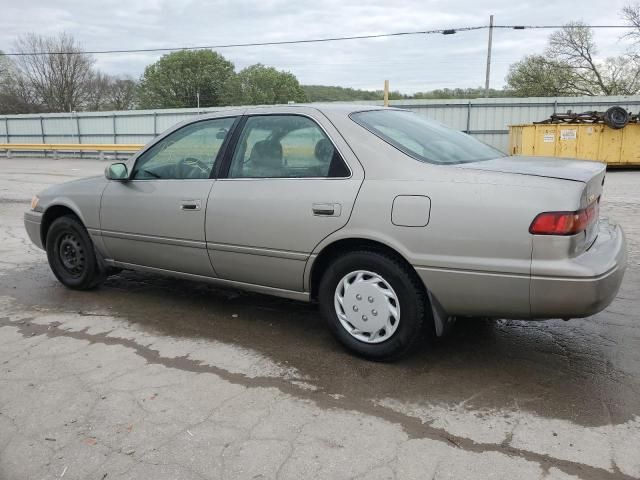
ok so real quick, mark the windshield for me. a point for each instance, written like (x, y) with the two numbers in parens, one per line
(423, 139)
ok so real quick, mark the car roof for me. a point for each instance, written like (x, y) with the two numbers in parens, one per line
(345, 108)
(329, 108)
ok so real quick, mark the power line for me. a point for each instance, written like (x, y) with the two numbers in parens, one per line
(533, 27)
(444, 31)
(253, 44)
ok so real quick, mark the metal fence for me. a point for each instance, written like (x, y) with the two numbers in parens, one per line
(485, 118)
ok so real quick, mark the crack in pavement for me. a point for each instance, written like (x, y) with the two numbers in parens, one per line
(413, 427)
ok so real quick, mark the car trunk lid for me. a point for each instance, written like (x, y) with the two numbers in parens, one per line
(590, 173)
(576, 170)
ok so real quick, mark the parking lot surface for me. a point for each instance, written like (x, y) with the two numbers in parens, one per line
(152, 377)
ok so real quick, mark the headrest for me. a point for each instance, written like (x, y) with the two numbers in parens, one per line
(267, 153)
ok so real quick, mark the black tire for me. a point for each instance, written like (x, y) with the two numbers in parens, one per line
(71, 255)
(414, 314)
(616, 117)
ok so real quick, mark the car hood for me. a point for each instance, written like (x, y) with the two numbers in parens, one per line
(550, 167)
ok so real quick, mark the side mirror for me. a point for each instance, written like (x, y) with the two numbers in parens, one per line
(117, 171)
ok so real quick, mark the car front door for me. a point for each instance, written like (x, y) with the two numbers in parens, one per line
(290, 181)
(156, 218)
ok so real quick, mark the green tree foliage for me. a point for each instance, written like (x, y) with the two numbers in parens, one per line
(443, 93)
(538, 76)
(570, 66)
(262, 85)
(177, 78)
(324, 93)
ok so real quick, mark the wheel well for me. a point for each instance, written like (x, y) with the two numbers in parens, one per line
(51, 214)
(342, 247)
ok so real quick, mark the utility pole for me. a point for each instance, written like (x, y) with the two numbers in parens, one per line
(386, 93)
(486, 82)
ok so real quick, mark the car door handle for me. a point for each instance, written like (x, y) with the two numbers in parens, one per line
(190, 205)
(327, 209)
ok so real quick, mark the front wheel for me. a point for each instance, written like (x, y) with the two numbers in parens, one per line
(71, 255)
(374, 304)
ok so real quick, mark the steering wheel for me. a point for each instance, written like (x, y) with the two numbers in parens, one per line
(191, 167)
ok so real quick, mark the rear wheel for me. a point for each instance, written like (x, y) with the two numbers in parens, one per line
(71, 255)
(374, 304)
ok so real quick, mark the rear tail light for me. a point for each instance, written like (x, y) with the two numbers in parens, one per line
(564, 223)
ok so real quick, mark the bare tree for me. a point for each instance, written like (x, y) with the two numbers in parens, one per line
(15, 96)
(623, 75)
(631, 13)
(52, 74)
(570, 65)
(97, 94)
(55, 69)
(122, 93)
(573, 47)
(106, 92)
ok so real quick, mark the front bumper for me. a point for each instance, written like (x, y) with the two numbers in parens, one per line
(591, 282)
(32, 223)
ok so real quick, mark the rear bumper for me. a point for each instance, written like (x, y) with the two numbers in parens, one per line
(32, 222)
(591, 282)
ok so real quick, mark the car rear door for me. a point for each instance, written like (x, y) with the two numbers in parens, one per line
(290, 181)
(156, 218)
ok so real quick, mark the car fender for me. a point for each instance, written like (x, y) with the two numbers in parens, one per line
(347, 233)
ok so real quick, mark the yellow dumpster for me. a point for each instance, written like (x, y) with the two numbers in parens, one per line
(578, 140)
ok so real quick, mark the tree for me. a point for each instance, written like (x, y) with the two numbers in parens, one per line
(97, 91)
(14, 97)
(176, 80)
(477, 92)
(631, 13)
(537, 76)
(122, 93)
(262, 85)
(107, 92)
(54, 70)
(54, 75)
(570, 66)
(323, 93)
(573, 48)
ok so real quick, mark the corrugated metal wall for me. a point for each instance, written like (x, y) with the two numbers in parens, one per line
(485, 118)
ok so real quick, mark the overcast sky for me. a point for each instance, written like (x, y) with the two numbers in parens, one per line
(416, 63)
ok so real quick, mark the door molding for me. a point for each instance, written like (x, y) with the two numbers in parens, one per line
(136, 237)
(264, 252)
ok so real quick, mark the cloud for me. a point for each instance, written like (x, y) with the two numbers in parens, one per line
(410, 63)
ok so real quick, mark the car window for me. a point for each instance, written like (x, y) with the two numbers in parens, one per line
(423, 139)
(285, 146)
(187, 153)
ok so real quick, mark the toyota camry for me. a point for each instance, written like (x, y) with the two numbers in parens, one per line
(392, 223)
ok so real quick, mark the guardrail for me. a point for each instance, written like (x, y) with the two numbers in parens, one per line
(100, 148)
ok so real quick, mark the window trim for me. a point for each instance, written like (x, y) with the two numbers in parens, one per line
(233, 144)
(216, 162)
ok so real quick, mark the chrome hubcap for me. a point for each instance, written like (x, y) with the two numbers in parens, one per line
(367, 306)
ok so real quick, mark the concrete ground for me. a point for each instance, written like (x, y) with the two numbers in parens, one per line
(149, 377)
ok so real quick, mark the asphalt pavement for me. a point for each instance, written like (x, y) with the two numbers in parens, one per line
(153, 377)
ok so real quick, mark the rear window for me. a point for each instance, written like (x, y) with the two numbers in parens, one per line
(424, 139)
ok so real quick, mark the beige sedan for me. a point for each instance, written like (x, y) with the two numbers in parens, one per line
(393, 223)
